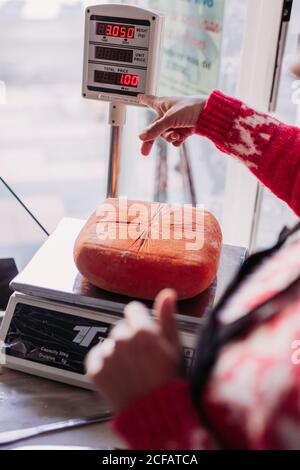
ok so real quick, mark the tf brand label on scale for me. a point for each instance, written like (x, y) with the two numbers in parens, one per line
(53, 338)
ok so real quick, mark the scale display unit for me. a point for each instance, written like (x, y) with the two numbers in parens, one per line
(55, 316)
(122, 58)
(122, 53)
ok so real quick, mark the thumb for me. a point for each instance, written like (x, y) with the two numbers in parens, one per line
(148, 100)
(165, 309)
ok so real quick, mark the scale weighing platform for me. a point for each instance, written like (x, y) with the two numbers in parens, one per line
(55, 316)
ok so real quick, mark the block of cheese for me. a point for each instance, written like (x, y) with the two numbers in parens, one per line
(137, 248)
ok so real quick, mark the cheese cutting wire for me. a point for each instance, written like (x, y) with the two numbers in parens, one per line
(24, 206)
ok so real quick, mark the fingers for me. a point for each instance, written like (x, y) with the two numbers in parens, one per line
(121, 331)
(138, 317)
(156, 129)
(148, 100)
(171, 136)
(177, 136)
(296, 67)
(184, 134)
(179, 143)
(95, 358)
(165, 306)
(146, 148)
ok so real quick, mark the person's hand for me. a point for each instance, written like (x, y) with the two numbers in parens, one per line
(296, 66)
(176, 119)
(140, 354)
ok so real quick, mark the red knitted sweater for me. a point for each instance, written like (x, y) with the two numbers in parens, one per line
(252, 399)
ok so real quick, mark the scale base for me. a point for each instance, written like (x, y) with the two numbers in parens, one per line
(51, 339)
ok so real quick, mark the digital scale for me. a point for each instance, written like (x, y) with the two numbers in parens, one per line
(55, 316)
(122, 58)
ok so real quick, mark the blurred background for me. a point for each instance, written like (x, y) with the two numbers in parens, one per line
(54, 145)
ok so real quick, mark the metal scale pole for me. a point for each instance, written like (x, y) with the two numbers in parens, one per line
(117, 120)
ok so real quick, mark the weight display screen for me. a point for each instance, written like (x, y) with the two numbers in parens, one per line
(113, 54)
(115, 30)
(53, 338)
(114, 78)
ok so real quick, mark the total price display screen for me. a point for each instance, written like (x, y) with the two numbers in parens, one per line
(114, 78)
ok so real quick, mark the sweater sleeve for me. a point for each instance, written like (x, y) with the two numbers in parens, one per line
(164, 420)
(269, 148)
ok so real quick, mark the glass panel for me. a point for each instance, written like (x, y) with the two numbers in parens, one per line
(208, 165)
(275, 214)
(54, 144)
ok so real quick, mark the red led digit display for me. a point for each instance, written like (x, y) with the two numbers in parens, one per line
(129, 80)
(113, 78)
(115, 30)
(114, 54)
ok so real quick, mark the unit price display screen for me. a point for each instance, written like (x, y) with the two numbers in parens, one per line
(114, 54)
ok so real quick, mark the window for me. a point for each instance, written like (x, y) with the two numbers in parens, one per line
(208, 165)
(53, 144)
(275, 214)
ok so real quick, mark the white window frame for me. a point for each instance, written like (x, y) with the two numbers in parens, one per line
(243, 194)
